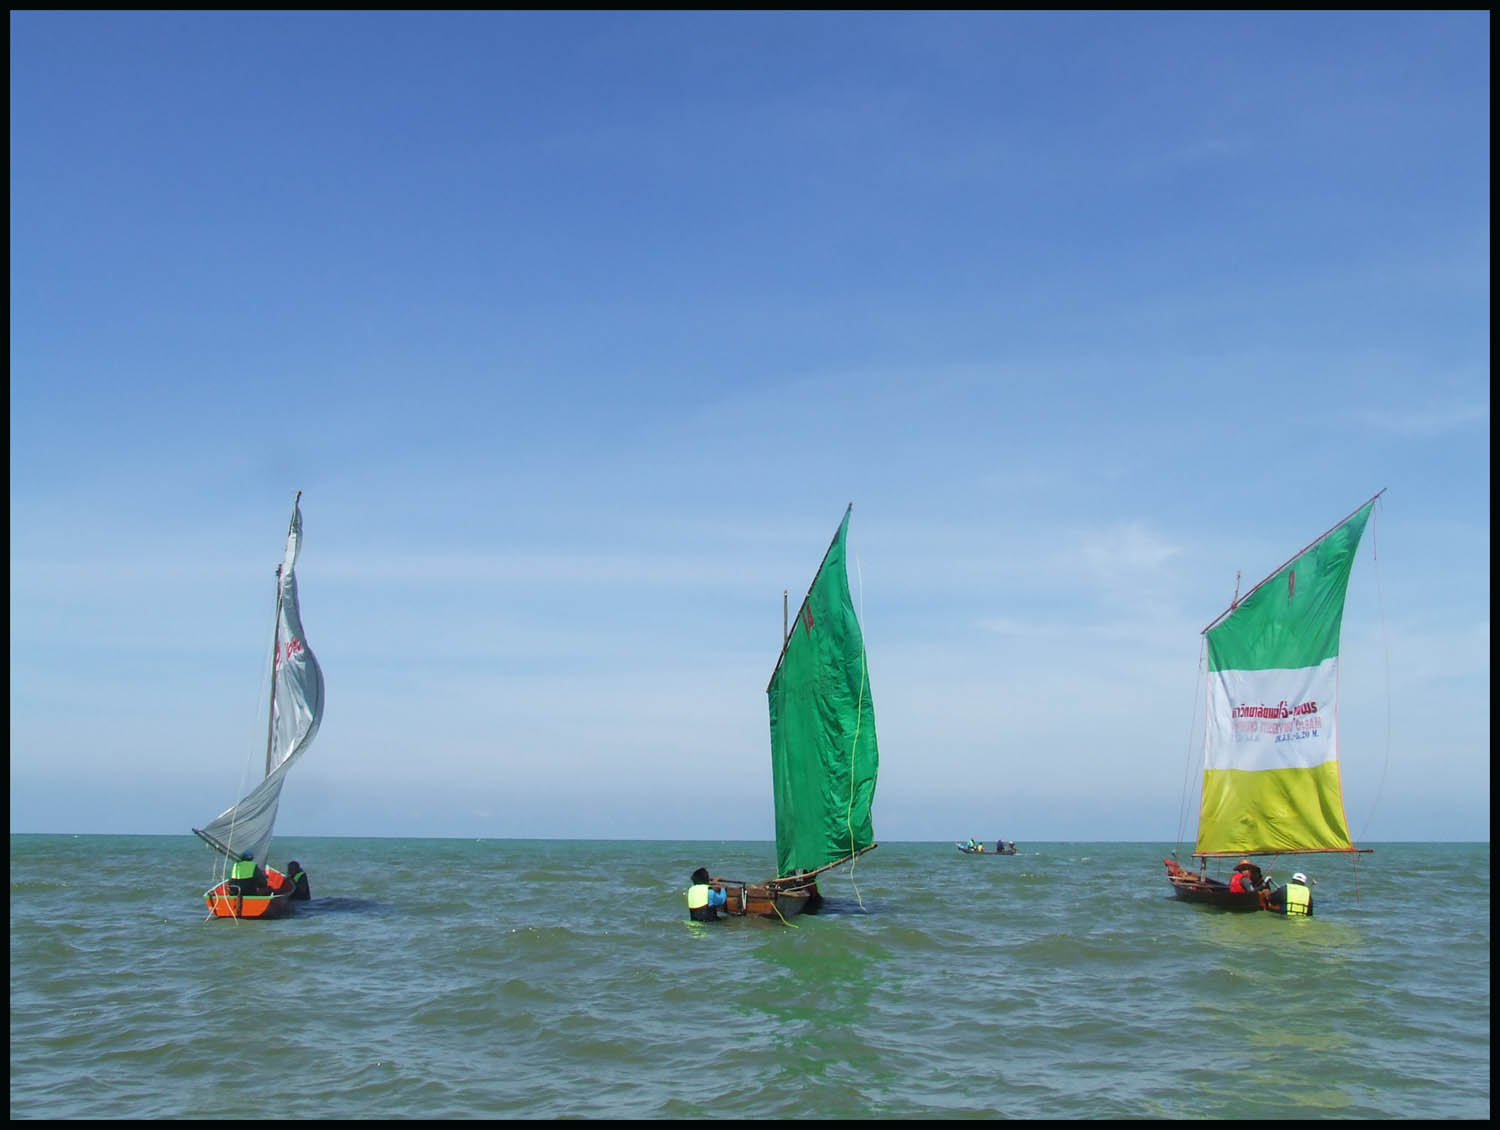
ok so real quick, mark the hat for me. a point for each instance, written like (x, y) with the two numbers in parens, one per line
(1242, 864)
(1299, 878)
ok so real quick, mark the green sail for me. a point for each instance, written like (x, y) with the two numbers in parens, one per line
(824, 757)
(1293, 617)
(1271, 766)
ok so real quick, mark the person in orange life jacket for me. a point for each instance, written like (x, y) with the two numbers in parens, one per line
(705, 897)
(1294, 900)
(248, 876)
(1245, 878)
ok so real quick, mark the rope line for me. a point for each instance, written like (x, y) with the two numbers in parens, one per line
(1187, 768)
(859, 718)
(1385, 639)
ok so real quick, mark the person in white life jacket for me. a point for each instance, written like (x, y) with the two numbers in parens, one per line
(705, 897)
(1294, 900)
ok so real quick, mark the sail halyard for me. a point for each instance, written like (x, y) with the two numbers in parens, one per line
(823, 747)
(1271, 781)
(295, 713)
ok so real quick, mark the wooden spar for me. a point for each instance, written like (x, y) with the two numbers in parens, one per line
(1292, 558)
(1206, 855)
(795, 881)
(799, 880)
(216, 845)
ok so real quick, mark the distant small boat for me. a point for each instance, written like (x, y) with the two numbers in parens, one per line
(981, 847)
(1271, 769)
(243, 832)
(824, 757)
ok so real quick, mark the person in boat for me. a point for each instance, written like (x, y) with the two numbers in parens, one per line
(1294, 900)
(247, 876)
(301, 890)
(705, 897)
(1012, 847)
(1246, 878)
(1000, 845)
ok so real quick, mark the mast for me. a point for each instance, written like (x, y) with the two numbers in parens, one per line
(786, 632)
(276, 647)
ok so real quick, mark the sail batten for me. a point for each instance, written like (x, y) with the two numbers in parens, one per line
(1271, 770)
(824, 754)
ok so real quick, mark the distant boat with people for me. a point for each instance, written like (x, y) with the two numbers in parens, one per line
(982, 847)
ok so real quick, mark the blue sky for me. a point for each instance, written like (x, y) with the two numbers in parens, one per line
(578, 331)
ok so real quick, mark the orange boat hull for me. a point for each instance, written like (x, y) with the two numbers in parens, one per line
(224, 901)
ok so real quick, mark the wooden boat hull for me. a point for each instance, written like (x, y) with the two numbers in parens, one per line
(768, 900)
(225, 901)
(1194, 886)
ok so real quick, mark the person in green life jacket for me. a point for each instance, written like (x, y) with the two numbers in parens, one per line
(1294, 900)
(248, 877)
(705, 897)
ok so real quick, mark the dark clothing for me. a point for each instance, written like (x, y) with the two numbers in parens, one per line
(247, 878)
(301, 891)
(1294, 899)
(704, 901)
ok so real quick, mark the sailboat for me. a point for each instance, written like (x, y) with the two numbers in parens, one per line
(1271, 783)
(824, 757)
(243, 832)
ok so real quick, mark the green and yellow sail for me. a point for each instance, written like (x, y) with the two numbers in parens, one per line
(824, 757)
(1271, 771)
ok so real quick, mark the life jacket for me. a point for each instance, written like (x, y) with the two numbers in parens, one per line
(243, 869)
(697, 896)
(1298, 900)
(1237, 885)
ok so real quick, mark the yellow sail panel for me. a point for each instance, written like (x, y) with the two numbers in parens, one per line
(1273, 810)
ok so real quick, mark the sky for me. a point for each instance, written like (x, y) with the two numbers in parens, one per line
(579, 331)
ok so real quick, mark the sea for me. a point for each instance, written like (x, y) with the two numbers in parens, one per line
(561, 979)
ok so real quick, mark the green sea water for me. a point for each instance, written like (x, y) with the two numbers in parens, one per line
(560, 979)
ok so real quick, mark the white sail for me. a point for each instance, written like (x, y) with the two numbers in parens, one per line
(296, 712)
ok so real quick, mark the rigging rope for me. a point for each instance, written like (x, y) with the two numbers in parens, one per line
(1187, 769)
(1386, 644)
(859, 718)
